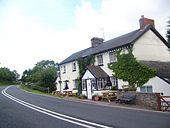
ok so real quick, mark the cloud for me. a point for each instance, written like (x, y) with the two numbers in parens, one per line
(28, 36)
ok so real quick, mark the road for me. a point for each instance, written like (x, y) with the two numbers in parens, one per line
(19, 109)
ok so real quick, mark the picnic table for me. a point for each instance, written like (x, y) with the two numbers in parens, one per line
(67, 93)
(56, 92)
(109, 96)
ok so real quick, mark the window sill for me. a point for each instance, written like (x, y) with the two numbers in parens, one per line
(112, 62)
(100, 64)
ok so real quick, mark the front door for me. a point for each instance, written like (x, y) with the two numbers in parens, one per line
(89, 89)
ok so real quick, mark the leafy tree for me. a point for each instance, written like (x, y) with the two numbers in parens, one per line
(48, 77)
(16, 75)
(43, 74)
(8, 76)
(26, 76)
(46, 64)
(168, 33)
(129, 69)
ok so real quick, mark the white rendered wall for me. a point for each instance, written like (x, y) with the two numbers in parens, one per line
(158, 85)
(69, 75)
(88, 75)
(106, 61)
(150, 48)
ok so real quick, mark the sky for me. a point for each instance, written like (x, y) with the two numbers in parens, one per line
(35, 30)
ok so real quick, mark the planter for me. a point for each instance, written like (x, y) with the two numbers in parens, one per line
(96, 98)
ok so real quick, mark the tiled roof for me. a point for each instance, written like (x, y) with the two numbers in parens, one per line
(120, 41)
(97, 71)
(162, 68)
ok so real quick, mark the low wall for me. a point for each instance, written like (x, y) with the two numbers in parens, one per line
(147, 100)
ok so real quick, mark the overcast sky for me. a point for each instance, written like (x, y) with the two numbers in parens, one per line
(35, 30)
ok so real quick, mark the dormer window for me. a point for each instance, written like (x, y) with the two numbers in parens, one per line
(74, 66)
(100, 60)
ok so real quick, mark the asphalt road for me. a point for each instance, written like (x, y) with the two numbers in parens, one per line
(19, 109)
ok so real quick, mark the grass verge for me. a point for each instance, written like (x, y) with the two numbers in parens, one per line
(4, 83)
(25, 88)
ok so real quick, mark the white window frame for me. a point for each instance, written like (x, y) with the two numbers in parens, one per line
(74, 66)
(100, 60)
(112, 57)
(146, 89)
(84, 84)
(94, 84)
(75, 86)
(64, 69)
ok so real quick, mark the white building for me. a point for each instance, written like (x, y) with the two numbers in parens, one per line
(147, 45)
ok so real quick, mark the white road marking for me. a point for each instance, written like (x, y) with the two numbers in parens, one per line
(60, 116)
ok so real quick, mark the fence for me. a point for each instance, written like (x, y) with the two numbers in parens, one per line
(164, 103)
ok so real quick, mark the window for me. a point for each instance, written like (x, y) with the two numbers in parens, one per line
(60, 68)
(93, 84)
(66, 85)
(146, 89)
(75, 86)
(64, 69)
(99, 84)
(100, 60)
(114, 80)
(112, 57)
(83, 84)
(74, 67)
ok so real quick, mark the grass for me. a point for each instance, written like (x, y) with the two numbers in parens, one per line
(23, 87)
(5, 83)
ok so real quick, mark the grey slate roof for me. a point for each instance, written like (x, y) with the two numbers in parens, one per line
(97, 72)
(120, 41)
(162, 68)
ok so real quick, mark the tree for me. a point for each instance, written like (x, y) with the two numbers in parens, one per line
(168, 33)
(26, 76)
(16, 74)
(129, 69)
(8, 76)
(43, 74)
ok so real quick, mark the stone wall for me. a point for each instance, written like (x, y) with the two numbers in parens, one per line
(147, 100)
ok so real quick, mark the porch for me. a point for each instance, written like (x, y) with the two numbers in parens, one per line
(95, 81)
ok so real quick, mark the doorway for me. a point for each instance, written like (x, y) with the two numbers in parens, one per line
(89, 89)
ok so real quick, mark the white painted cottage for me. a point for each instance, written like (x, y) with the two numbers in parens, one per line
(147, 45)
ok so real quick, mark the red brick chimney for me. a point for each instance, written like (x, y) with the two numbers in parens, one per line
(145, 21)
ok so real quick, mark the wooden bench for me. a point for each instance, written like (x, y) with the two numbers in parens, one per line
(109, 96)
(126, 98)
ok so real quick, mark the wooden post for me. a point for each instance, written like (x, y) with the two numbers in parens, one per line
(158, 101)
